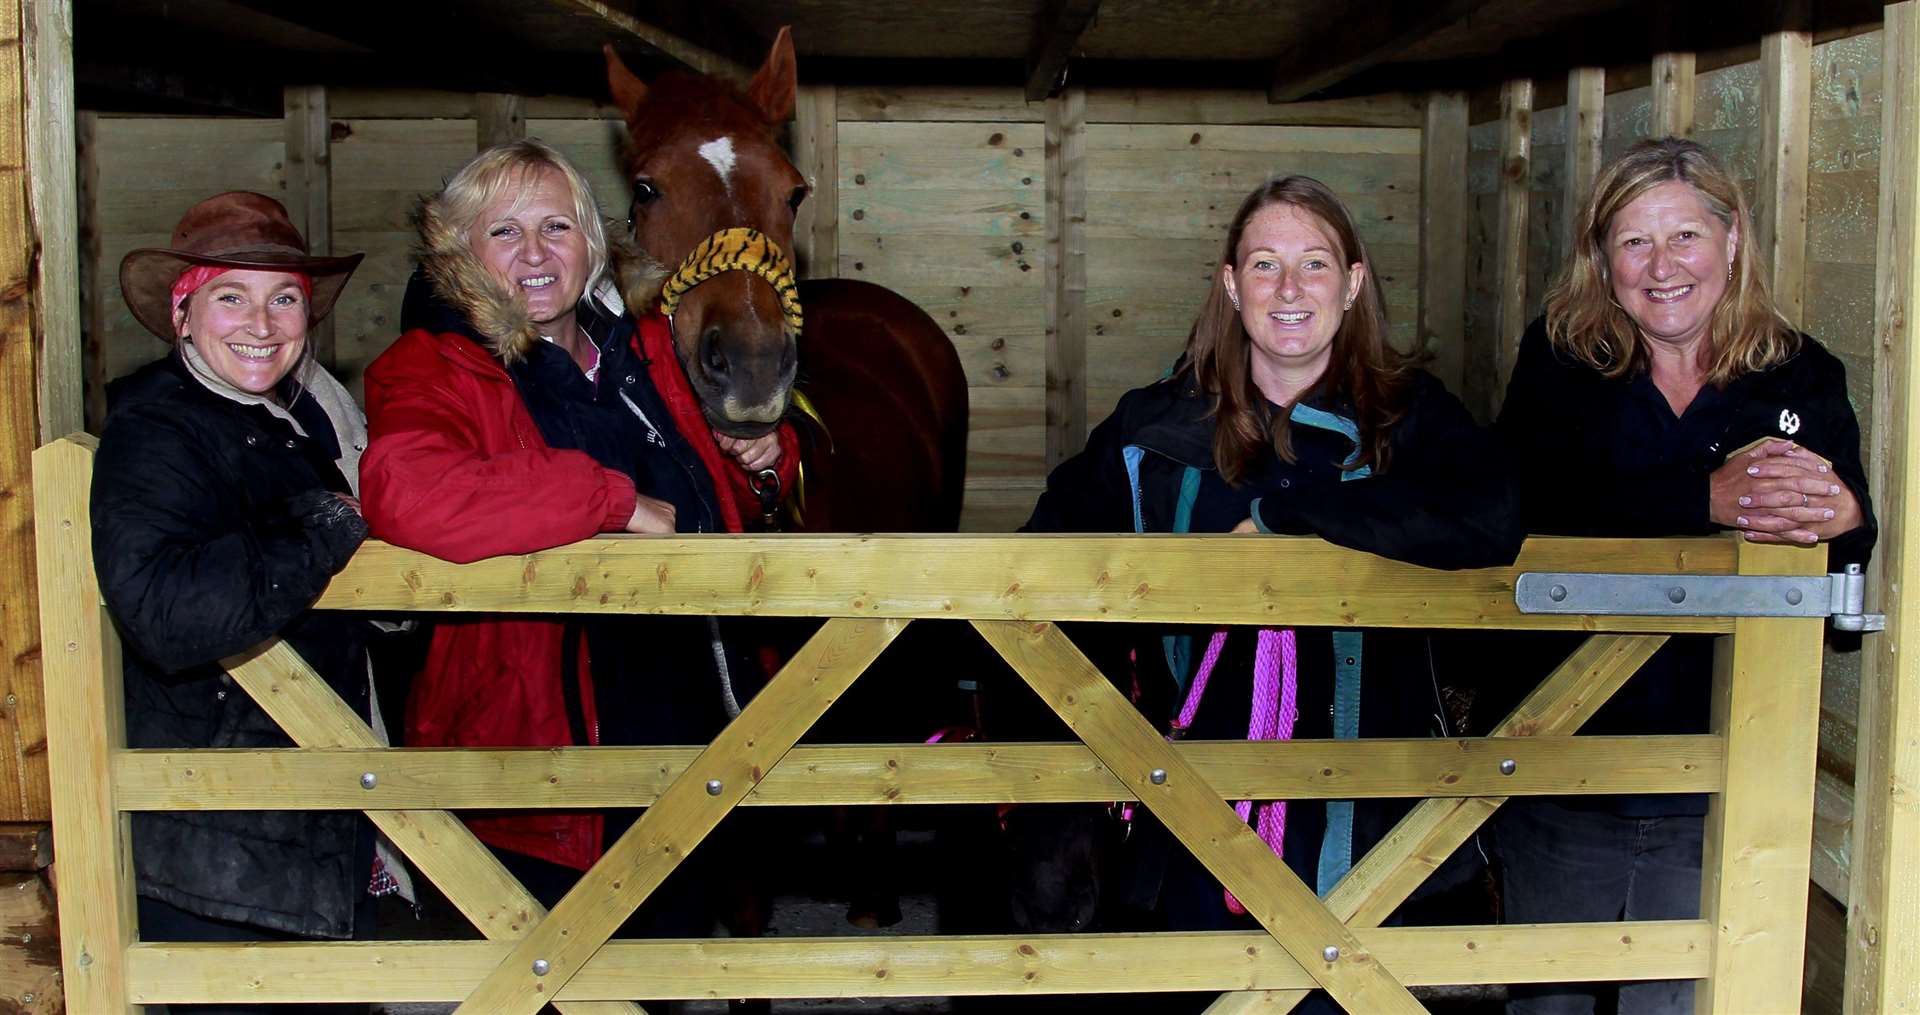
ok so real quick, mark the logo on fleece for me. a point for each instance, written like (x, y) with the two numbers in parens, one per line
(1789, 422)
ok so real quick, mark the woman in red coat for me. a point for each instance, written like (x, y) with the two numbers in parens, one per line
(522, 409)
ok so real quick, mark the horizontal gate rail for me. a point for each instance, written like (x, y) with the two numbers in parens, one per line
(905, 774)
(1158, 578)
(1756, 765)
(921, 966)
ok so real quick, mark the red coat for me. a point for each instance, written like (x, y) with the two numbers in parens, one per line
(456, 468)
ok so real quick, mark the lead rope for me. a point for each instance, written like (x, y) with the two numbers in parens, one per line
(1275, 709)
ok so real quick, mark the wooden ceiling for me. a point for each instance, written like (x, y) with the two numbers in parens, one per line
(237, 55)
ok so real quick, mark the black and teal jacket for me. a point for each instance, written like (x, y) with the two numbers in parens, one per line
(1446, 500)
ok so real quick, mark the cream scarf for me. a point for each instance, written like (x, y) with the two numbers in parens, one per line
(349, 423)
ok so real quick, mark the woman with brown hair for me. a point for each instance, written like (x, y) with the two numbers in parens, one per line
(1290, 414)
(1662, 394)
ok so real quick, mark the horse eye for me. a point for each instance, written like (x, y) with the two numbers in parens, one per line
(644, 192)
(799, 195)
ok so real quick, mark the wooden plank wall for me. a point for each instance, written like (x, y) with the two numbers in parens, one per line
(940, 195)
(1730, 115)
(943, 197)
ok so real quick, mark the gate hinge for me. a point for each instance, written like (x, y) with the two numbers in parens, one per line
(1841, 596)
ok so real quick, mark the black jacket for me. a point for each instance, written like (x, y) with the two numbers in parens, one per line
(1445, 501)
(1587, 460)
(1572, 432)
(215, 528)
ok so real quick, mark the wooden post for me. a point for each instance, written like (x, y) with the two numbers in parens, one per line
(1066, 293)
(55, 215)
(1883, 923)
(500, 118)
(1443, 236)
(1786, 122)
(1516, 176)
(1672, 95)
(1586, 126)
(86, 728)
(310, 186)
(23, 775)
(816, 153)
(1758, 852)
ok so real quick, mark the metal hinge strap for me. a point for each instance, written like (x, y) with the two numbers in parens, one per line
(1841, 596)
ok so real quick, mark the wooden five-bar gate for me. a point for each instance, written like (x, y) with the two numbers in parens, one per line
(1758, 764)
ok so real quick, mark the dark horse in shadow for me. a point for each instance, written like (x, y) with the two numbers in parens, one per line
(882, 398)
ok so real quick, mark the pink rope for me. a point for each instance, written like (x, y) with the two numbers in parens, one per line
(1275, 710)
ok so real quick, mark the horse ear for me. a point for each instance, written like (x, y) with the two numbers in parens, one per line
(773, 87)
(629, 92)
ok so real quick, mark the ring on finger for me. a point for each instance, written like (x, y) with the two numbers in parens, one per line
(1804, 500)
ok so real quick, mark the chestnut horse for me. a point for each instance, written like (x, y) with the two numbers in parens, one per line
(703, 157)
(885, 450)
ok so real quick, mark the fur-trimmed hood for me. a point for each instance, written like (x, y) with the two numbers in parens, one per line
(462, 296)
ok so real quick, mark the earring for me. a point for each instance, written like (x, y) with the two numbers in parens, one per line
(1235, 300)
(1729, 271)
(1348, 306)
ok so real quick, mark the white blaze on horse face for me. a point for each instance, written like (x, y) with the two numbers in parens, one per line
(719, 154)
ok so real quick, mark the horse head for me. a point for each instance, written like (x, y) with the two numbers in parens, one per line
(714, 196)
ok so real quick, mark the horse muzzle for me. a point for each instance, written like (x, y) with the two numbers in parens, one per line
(742, 370)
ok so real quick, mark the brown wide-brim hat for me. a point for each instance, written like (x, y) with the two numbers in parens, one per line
(238, 229)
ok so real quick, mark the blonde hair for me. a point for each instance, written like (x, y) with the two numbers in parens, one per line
(510, 165)
(1745, 333)
(1361, 364)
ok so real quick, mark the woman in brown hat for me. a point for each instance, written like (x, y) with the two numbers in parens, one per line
(223, 502)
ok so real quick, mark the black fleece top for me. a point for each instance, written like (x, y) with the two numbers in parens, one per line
(1608, 457)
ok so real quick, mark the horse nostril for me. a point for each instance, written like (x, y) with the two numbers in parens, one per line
(711, 355)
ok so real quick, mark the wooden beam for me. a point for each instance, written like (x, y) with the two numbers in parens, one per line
(438, 845)
(1227, 579)
(1673, 75)
(1883, 955)
(23, 776)
(1510, 242)
(673, 47)
(1758, 847)
(1443, 237)
(1586, 125)
(55, 213)
(1055, 35)
(1066, 293)
(1101, 717)
(86, 725)
(499, 117)
(1127, 105)
(816, 153)
(1368, 35)
(1433, 829)
(1786, 123)
(310, 187)
(636, 863)
(906, 774)
(915, 966)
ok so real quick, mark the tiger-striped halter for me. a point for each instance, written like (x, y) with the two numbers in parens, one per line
(736, 249)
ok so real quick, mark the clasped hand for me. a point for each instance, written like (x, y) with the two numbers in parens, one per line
(1780, 492)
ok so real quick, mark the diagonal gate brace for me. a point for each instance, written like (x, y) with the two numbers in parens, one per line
(558, 947)
(1108, 724)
